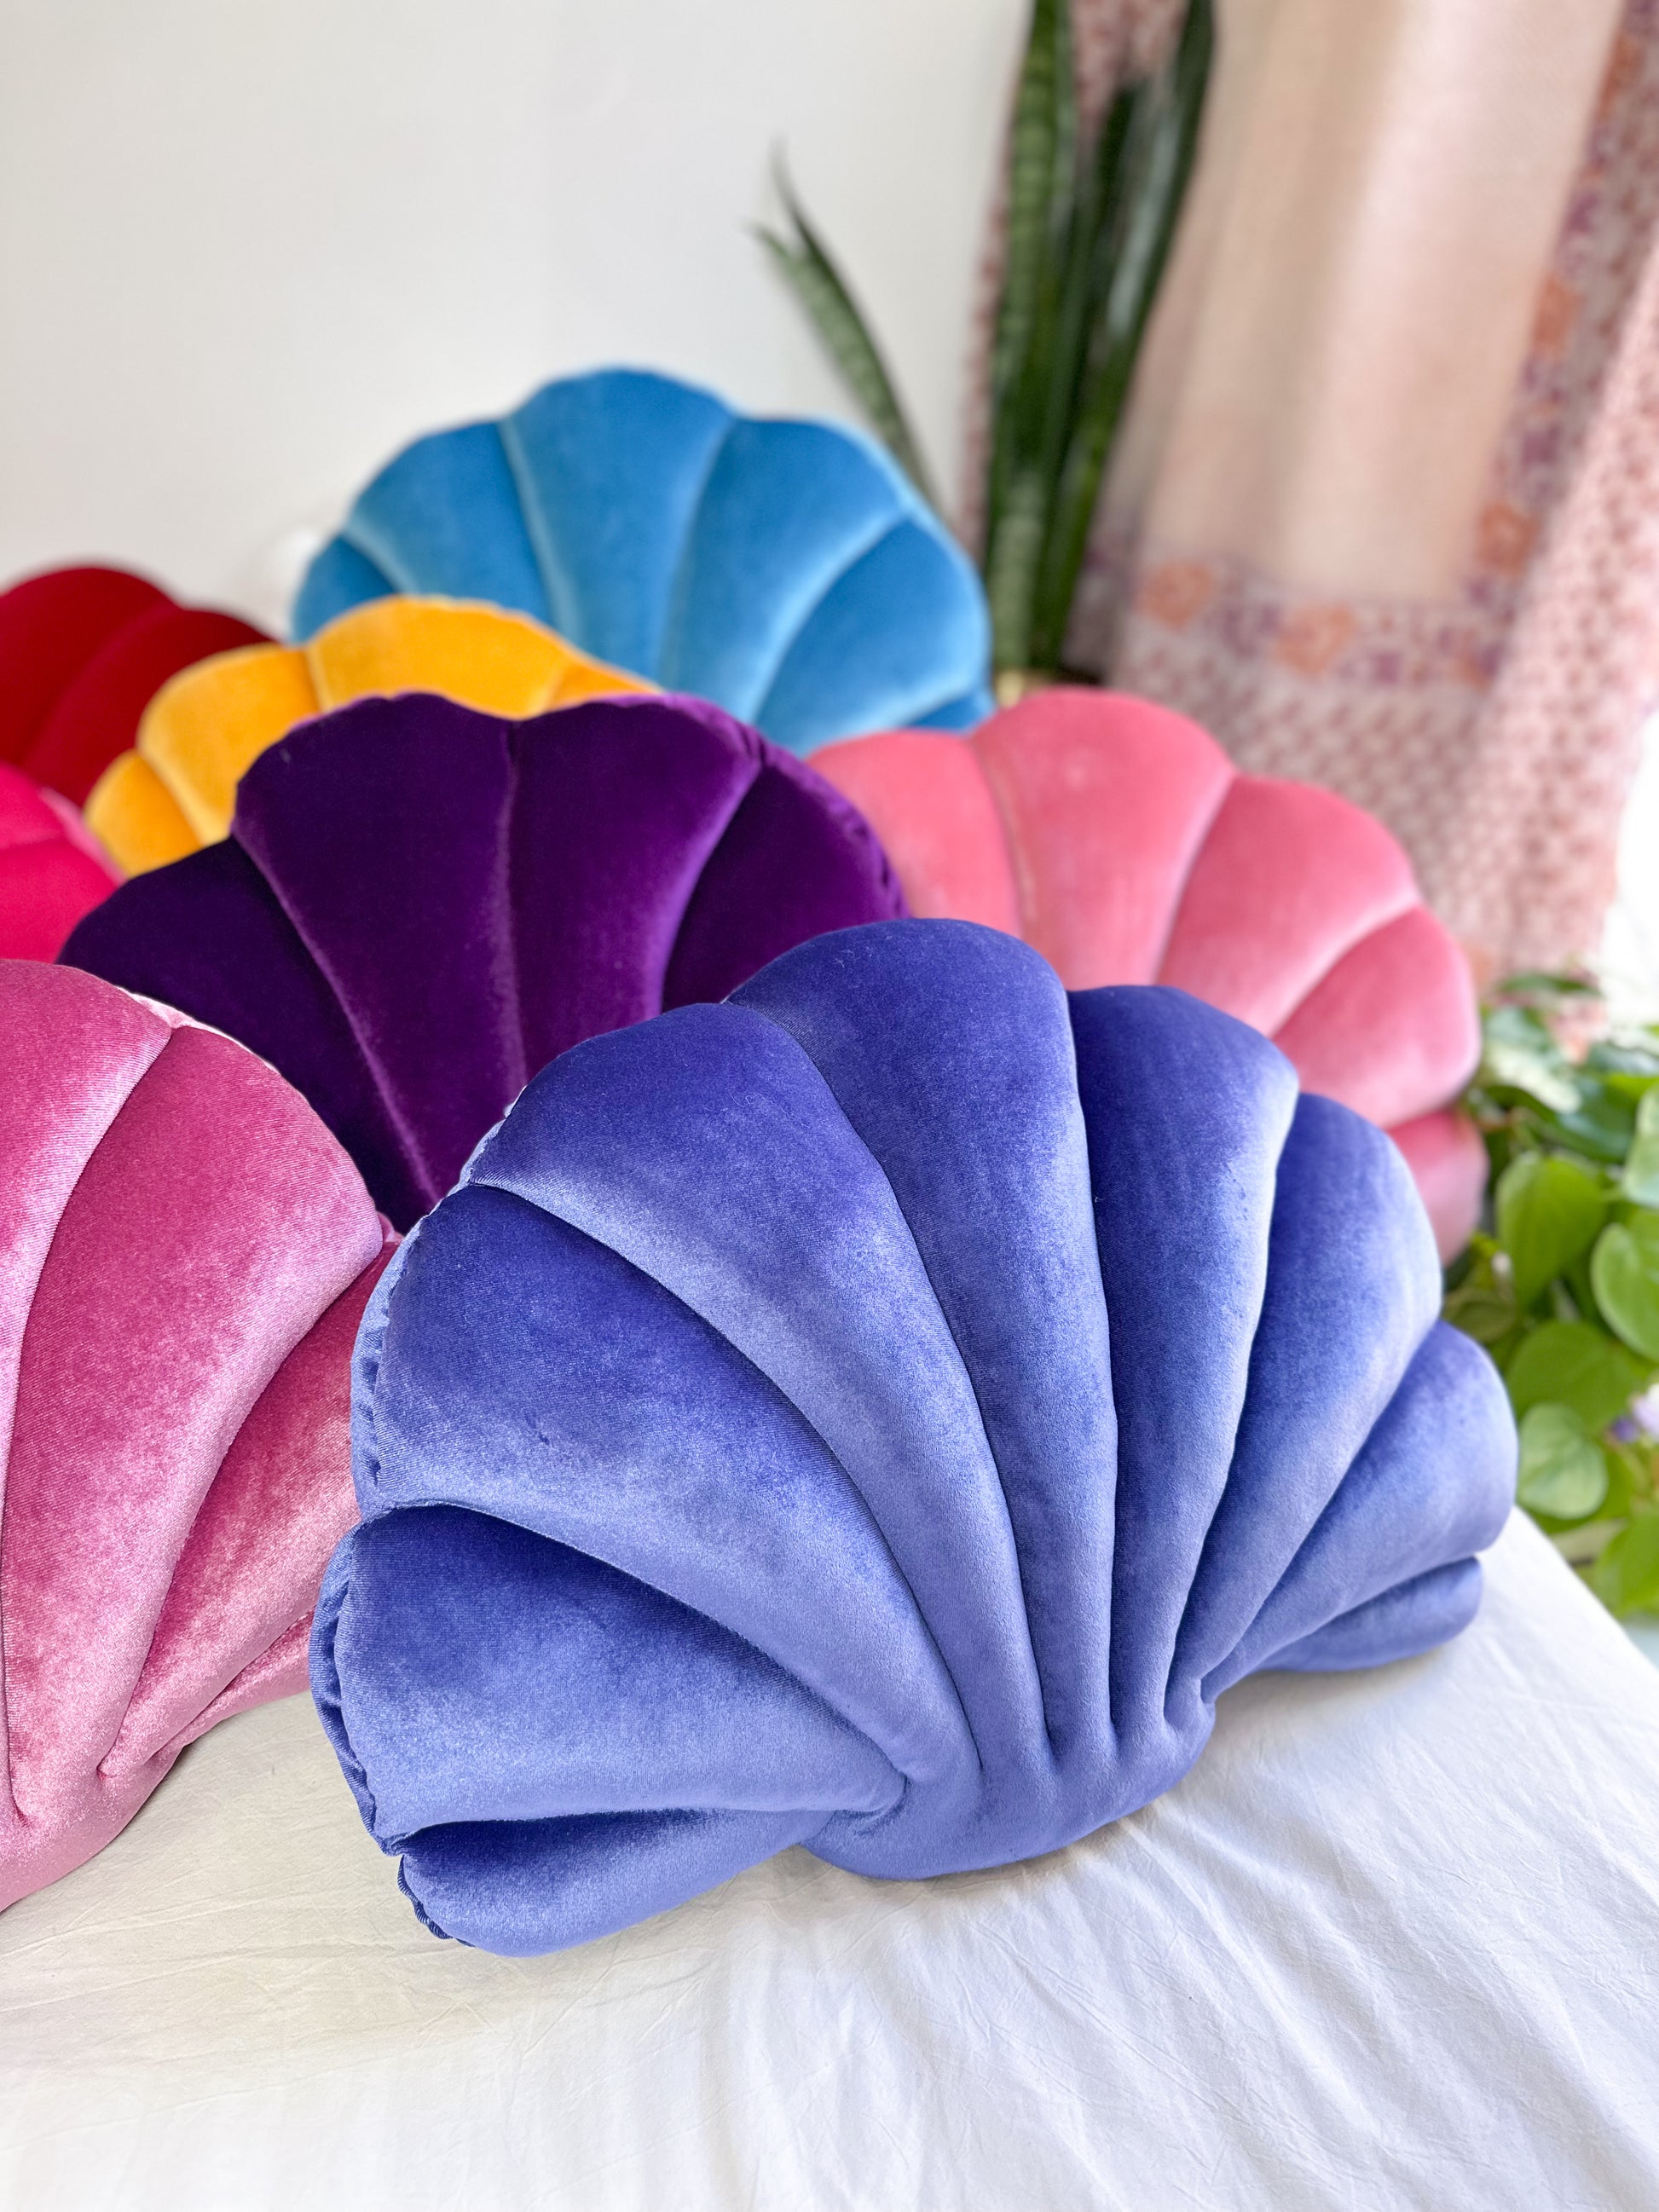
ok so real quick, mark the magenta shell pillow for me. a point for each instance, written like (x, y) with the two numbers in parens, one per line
(1117, 838)
(184, 1255)
(52, 870)
(421, 905)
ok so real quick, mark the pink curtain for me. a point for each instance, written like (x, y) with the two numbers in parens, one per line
(1385, 514)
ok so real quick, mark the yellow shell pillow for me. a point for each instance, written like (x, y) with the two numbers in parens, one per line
(176, 790)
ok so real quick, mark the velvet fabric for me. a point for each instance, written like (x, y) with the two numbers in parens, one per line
(51, 871)
(175, 791)
(421, 905)
(185, 1257)
(785, 570)
(1116, 837)
(883, 1412)
(82, 652)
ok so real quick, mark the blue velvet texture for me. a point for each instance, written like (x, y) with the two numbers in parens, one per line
(787, 571)
(881, 1411)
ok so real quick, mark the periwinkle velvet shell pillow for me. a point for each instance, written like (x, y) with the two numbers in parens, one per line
(882, 1413)
(788, 571)
(1118, 838)
(184, 1255)
(420, 905)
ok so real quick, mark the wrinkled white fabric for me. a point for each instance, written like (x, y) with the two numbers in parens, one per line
(1394, 1942)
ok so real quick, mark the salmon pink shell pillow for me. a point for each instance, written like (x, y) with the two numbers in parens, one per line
(1117, 838)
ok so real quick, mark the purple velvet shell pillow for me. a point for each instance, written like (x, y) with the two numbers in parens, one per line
(420, 905)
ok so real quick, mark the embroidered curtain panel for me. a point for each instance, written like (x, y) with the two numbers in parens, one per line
(1385, 514)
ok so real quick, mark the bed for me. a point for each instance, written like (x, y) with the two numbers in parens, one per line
(1394, 1942)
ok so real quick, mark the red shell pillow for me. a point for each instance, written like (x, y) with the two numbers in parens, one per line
(1117, 838)
(82, 653)
(185, 1255)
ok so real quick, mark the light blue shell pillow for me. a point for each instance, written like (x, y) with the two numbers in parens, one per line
(787, 571)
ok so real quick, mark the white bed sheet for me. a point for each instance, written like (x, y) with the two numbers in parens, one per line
(1393, 1943)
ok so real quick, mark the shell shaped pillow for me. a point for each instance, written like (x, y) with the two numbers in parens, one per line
(882, 1413)
(175, 790)
(51, 871)
(1117, 838)
(787, 571)
(420, 905)
(82, 652)
(185, 1257)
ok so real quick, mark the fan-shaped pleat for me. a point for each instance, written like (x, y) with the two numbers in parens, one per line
(1186, 1114)
(617, 817)
(1392, 1023)
(816, 501)
(100, 709)
(1287, 879)
(1426, 1487)
(247, 1574)
(1107, 803)
(575, 1359)
(901, 635)
(1344, 1222)
(50, 626)
(445, 517)
(928, 800)
(1401, 1624)
(209, 935)
(736, 1181)
(791, 865)
(952, 1057)
(610, 468)
(711, 1720)
(419, 957)
(522, 1887)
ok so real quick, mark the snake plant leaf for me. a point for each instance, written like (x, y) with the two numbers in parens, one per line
(1157, 164)
(807, 265)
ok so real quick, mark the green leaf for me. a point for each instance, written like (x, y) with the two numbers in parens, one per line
(1548, 1213)
(807, 265)
(1572, 1362)
(1627, 1575)
(1156, 167)
(1625, 1275)
(1563, 1472)
(1518, 1049)
(1640, 1179)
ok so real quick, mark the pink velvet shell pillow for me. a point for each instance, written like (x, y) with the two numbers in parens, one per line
(185, 1254)
(1117, 838)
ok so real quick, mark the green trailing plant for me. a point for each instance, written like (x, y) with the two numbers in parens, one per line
(1090, 223)
(1562, 1286)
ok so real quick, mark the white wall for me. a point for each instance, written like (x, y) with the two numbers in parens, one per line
(247, 247)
